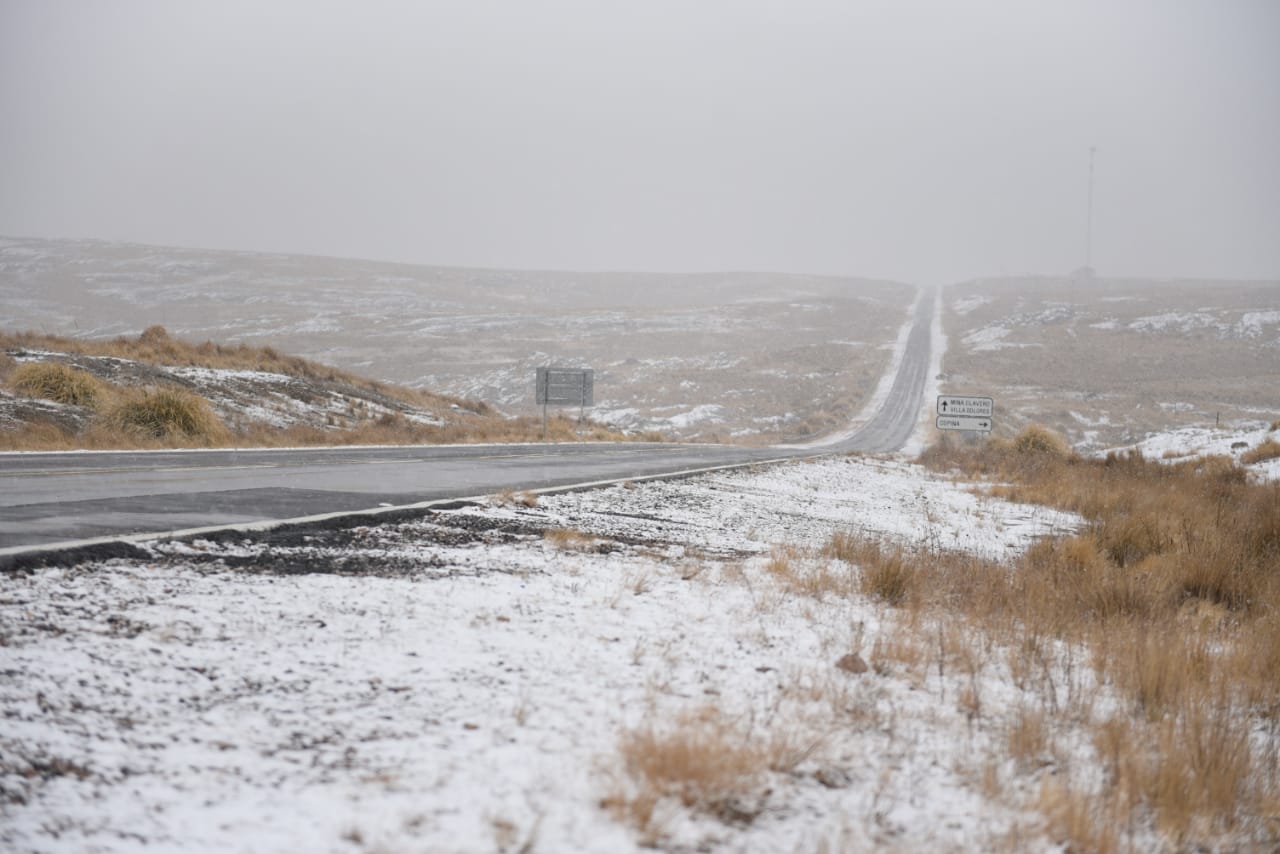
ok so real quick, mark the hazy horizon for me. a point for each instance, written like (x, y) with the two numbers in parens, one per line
(920, 142)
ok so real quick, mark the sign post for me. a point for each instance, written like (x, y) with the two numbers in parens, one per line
(564, 387)
(964, 413)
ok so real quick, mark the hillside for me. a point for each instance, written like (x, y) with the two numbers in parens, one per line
(755, 356)
(1110, 361)
(156, 391)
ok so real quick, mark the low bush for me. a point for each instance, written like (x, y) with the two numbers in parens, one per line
(703, 760)
(1035, 439)
(168, 415)
(1268, 450)
(57, 382)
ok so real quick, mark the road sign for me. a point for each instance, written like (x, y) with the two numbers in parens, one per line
(964, 422)
(976, 406)
(565, 387)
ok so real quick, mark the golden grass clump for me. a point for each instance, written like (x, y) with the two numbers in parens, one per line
(168, 414)
(888, 574)
(57, 382)
(703, 760)
(567, 539)
(1268, 450)
(1035, 439)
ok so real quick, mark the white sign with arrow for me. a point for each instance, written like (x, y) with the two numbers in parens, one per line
(953, 405)
(964, 422)
(965, 413)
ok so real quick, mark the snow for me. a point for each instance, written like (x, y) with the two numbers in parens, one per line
(223, 375)
(1191, 442)
(964, 305)
(1174, 321)
(465, 687)
(1251, 322)
(989, 338)
(706, 412)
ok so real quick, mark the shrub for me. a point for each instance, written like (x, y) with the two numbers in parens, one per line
(1268, 450)
(169, 414)
(891, 577)
(58, 382)
(1035, 439)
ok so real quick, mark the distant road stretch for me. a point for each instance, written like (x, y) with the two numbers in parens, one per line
(51, 499)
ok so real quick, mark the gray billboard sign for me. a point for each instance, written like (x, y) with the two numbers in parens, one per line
(565, 387)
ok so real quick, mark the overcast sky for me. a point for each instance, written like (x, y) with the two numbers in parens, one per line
(921, 141)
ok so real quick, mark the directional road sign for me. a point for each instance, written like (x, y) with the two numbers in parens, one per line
(964, 422)
(976, 406)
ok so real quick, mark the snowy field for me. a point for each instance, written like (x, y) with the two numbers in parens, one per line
(1107, 362)
(463, 682)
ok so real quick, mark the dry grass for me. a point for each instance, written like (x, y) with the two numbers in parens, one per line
(57, 382)
(512, 498)
(886, 573)
(1268, 450)
(464, 421)
(155, 346)
(702, 760)
(168, 416)
(1173, 588)
(570, 540)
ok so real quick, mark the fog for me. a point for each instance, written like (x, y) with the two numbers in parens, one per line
(921, 141)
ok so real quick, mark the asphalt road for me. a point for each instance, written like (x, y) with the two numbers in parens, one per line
(48, 500)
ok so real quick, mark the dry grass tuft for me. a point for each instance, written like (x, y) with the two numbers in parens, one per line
(1267, 450)
(512, 498)
(893, 578)
(704, 760)
(809, 574)
(168, 415)
(1028, 738)
(57, 382)
(1035, 439)
(887, 573)
(569, 540)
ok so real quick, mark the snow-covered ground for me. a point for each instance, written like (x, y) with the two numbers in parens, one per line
(461, 682)
(1235, 441)
(466, 680)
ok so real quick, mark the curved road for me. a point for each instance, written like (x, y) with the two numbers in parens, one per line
(56, 500)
